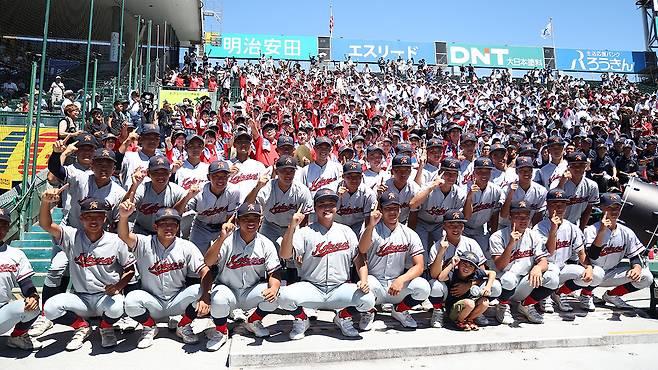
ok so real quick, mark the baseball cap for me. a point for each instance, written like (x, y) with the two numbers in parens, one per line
(159, 162)
(352, 167)
(250, 209)
(483, 162)
(556, 195)
(450, 164)
(521, 206)
(555, 140)
(167, 213)
(403, 148)
(372, 149)
(284, 140)
(90, 205)
(453, 126)
(325, 194)
(469, 136)
(608, 199)
(102, 153)
(454, 215)
(388, 198)
(286, 161)
(323, 140)
(86, 139)
(5, 215)
(218, 166)
(358, 138)
(576, 157)
(496, 147)
(195, 137)
(523, 161)
(401, 160)
(345, 148)
(150, 129)
(528, 149)
(434, 143)
(469, 257)
(270, 124)
(108, 135)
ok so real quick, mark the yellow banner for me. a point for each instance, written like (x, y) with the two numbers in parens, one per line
(12, 152)
(174, 97)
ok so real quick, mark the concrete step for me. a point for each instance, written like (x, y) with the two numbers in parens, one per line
(40, 265)
(36, 235)
(38, 279)
(37, 228)
(31, 243)
(36, 253)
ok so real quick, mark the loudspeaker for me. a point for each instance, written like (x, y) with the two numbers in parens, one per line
(640, 210)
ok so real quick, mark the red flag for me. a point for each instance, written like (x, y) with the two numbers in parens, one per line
(331, 23)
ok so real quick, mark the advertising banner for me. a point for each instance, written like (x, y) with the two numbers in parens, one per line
(240, 45)
(591, 60)
(516, 57)
(12, 152)
(370, 51)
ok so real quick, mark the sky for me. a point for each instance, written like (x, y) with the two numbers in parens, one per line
(602, 24)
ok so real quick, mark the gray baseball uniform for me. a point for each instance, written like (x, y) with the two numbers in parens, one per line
(486, 202)
(211, 212)
(430, 215)
(14, 268)
(247, 176)
(84, 186)
(372, 179)
(534, 197)
(354, 209)
(405, 194)
(279, 207)
(580, 196)
(148, 202)
(188, 174)
(550, 174)
(429, 173)
(316, 177)
(131, 162)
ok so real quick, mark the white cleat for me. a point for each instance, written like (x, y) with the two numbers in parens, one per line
(24, 342)
(108, 337)
(366, 320)
(560, 303)
(437, 318)
(126, 324)
(531, 314)
(587, 303)
(617, 301)
(405, 318)
(504, 314)
(40, 326)
(238, 315)
(299, 327)
(311, 313)
(257, 328)
(346, 326)
(216, 340)
(186, 333)
(79, 336)
(147, 336)
(387, 307)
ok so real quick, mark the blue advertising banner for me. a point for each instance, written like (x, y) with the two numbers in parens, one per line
(239, 45)
(372, 50)
(591, 60)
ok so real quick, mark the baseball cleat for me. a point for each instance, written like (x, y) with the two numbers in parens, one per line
(79, 336)
(299, 327)
(530, 313)
(257, 328)
(587, 303)
(437, 318)
(40, 326)
(187, 334)
(504, 314)
(405, 318)
(147, 336)
(346, 326)
(545, 306)
(108, 337)
(481, 320)
(367, 318)
(311, 313)
(24, 342)
(238, 315)
(387, 307)
(173, 321)
(126, 324)
(617, 301)
(560, 303)
(216, 340)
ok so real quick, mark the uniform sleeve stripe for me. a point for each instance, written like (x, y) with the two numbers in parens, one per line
(25, 275)
(276, 268)
(130, 263)
(636, 252)
(199, 268)
(416, 254)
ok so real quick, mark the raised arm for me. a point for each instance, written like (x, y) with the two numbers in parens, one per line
(126, 208)
(50, 196)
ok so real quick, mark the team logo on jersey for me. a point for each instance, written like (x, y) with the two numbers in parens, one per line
(437, 211)
(149, 208)
(482, 206)
(320, 182)
(388, 248)
(85, 260)
(9, 267)
(213, 211)
(282, 207)
(559, 244)
(324, 248)
(187, 183)
(243, 177)
(576, 200)
(162, 267)
(238, 261)
(611, 250)
(522, 254)
(345, 211)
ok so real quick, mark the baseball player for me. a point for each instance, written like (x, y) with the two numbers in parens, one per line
(355, 199)
(482, 205)
(245, 171)
(374, 173)
(246, 259)
(453, 243)
(434, 199)
(212, 206)
(191, 170)
(100, 266)
(501, 175)
(550, 174)
(525, 273)
(468, 143)
(566, 245)
(163, 262)
(582, 192)
(151, 196)
(322, 171)
(388, 244)
(429, 168)
(607, 243)
(132, 161)
(401, 184)
(327, 249)
(526, 190)
(16, 270)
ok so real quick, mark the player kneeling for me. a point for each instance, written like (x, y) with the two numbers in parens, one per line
(100, 266)
(388, 245)
(245, 258)
(327, 249)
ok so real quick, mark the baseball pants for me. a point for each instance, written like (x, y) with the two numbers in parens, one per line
(305, 294)
(13, 313)
(57, 269)
(418, 288)
(518, 283)
(574, 272)
(428, 233)
(202, 237)
(272, 232)
(224, 300)
(617, 276)
(138, 302)
(84, 305)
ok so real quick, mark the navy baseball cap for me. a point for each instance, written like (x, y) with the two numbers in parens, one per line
(323, 140)
(483, 162)
(195, 137)
(454, 215)
(403, 148)
(453, 127)
(101, 153)
(167, 213)
(495, 147)
(434, 143)
(401, 160)
(576, 157)
(389, 198)
(372, 149)
(523, 162)
(91, 205)
(555, 140)
(450, 164)
(5, 215)
(250, 209)
(325, 194)
(352, 167)
(556, 195)
(528, 150)
(469, 137)
(218, 166)
(86, 139)
(242, 132)
(284, 140)
(159, 162)
(608, 199)
(107, 136)
(469, 257)
(358, 138)
(150, 129)
(345, 148)
(270, 124)
(286, 161)
(521, 206)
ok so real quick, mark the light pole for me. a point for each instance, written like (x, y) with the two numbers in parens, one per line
(148, 55)
(84, 97)
(42, 74)
(123, 3)
(139, 23)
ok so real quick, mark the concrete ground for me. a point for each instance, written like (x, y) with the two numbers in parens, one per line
(388, 344)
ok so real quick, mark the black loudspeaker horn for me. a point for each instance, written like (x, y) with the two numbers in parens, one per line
(640, 210)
